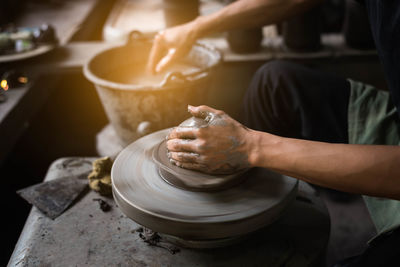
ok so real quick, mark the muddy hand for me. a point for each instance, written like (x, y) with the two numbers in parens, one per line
(170, 45)
(219, 147)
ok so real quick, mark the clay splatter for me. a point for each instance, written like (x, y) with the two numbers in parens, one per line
(154, 239)
(104, 206)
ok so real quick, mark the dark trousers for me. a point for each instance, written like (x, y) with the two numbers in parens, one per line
(291, 100)
(382, 252)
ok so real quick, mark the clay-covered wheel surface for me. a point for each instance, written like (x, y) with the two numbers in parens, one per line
(189, 179)
(146, 198)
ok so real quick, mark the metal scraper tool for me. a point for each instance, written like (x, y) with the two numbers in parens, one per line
(55, 196)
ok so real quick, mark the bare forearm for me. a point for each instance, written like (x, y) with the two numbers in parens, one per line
(364, 169)
(249, 13)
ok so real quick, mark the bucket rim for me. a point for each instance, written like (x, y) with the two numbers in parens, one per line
(97, 81)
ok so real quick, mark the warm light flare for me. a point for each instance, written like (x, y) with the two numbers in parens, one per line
(4, 84)
(23, 79)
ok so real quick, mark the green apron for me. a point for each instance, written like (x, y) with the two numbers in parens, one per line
(373, 119)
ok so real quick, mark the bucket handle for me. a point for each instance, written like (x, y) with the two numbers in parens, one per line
(175, 77)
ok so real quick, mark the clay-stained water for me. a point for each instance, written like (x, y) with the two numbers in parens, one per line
(138, 75)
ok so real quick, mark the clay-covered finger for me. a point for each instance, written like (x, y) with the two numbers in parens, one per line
(184, 157)
(182, 133)
(155, 54)
(182, 145)
(167, 60)
(191, 166)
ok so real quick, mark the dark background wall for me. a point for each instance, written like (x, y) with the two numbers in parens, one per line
(65, 126)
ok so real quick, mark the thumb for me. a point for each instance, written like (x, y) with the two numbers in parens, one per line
(200, 111)
(166, 61)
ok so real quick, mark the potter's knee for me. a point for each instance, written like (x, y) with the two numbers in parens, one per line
(275, 70)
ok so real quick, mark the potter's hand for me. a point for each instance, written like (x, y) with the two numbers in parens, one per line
(219, 147)
(169, 45)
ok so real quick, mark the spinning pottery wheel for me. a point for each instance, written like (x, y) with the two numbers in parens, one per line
(188, 179)
(209, 218)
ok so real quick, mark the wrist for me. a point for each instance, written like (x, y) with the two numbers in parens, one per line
(253, 149)
(261, 148)
(199, 27)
